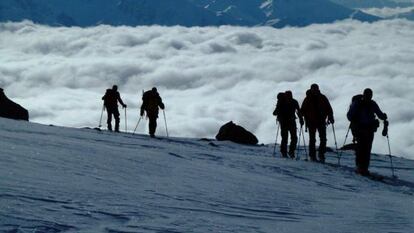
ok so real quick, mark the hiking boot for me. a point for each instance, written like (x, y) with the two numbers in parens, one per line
(322, 159)
(292, 155)
(362, 172)
(152, 135)
(313, 159)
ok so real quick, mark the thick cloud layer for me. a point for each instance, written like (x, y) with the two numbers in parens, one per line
(388, 12)
(208, 76)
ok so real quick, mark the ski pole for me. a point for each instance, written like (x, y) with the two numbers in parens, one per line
(277, 135)
(304, 144)
(346, 137)
(100, 121)
(385, 134)
(336, 143)
(165, 121)
(297, 148)
(139, 120)
(390, 155)
(126, 121)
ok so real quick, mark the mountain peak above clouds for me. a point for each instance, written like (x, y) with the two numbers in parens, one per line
(277, 13)
(280, 13)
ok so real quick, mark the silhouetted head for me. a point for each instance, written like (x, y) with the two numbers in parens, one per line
(115, 87)
(154, 89)
(288, 94)
(314, 89)
(368, 94)
(280, 96)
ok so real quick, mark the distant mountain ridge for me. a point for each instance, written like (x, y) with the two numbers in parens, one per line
(84, 13)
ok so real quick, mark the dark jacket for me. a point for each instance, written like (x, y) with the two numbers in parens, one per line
(362, 115)
(286, 110)
(111, 99)
(150, 102)
(316, 109)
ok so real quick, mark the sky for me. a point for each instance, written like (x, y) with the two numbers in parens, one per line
(208, 76)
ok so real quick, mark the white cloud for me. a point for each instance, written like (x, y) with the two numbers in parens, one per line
(387, 12)
(208, 76)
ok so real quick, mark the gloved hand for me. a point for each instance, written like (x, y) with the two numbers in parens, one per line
(301, 121)
(124, 106)
(142, 112)
(385, 130)
(385, 116)
(331, 120)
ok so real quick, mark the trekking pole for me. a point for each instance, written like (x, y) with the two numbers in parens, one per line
(336, 143)
(297, 148)
(165, 120)
(385, 133)
(346, 137)
(277, 135)
(126, 121)
(139, 120)
(389, 149)
(100, 121)
(304, 145)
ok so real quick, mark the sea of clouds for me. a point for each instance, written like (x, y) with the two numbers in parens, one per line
(387, 12)
(208, 76)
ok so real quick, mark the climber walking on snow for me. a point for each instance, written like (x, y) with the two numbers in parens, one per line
(317, 112)
(111, 99)
(286, 110)
(362, 114)
(151, 101)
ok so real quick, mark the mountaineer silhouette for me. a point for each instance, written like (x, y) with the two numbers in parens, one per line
(111, 99)
(286, 110)
(317, 112)
(364, 124)
(151, 102)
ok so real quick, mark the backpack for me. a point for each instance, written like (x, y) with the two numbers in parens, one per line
(356, 115)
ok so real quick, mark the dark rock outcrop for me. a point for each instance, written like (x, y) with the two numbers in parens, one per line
(9, 109)
(237, 134)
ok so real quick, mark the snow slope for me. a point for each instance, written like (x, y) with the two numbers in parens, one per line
(81, 180)
(83, 13)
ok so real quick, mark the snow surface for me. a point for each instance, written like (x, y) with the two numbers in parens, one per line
(58, 179)
(211, 75)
